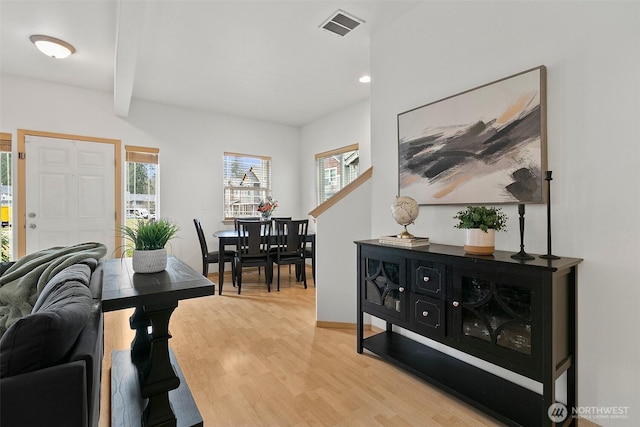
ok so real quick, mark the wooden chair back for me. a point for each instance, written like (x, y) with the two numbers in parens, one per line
(291, 236)
(253, 238)
(203, 241)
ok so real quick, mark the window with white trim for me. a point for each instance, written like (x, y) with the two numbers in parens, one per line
(335, 169)
(246, 181)
(142, 184)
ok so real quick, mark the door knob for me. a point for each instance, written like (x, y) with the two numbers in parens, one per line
(32, 226)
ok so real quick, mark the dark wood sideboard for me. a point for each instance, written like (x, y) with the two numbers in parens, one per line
(518, 315)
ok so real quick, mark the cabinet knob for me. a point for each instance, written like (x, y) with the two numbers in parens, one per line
(456, 303)
(426, 278)
(401, 289)
(425, 313)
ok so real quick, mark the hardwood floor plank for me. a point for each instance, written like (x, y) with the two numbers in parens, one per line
(258, 359)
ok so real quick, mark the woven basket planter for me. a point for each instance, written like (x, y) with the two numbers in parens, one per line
(149, 261)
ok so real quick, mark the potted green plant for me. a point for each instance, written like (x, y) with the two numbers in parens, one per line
(147, 240)
(480, 224)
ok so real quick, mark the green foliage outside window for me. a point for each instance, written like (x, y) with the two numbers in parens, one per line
(140, 181)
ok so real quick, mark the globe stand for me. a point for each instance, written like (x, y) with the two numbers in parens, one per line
(404, 211)
(405, 234)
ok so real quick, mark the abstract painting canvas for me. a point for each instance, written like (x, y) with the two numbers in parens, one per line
(485, 145)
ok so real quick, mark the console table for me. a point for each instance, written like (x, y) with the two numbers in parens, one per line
(147, 385)
(519, 315)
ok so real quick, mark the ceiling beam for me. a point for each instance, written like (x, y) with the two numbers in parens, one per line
(131, 20)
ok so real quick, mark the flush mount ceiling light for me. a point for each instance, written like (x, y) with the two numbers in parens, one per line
(341, 23)
(50, 46)
(365, 79)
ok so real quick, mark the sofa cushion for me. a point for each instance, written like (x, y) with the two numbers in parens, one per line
(79, 273)
(44, 337)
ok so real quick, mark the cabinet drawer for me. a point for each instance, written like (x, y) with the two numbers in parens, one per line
(428, 278)
(428, 315)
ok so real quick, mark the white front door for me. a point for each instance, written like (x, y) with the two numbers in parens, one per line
(70, 193)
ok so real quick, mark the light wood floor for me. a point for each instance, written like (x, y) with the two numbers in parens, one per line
(257, 359)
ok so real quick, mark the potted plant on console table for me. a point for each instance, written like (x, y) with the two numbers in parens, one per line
(148, 240)
(481, 224)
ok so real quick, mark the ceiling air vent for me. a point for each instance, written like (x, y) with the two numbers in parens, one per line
(341, 23)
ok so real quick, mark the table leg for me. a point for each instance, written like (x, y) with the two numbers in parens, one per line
(141, 344)
(220, 265)
(157, 376)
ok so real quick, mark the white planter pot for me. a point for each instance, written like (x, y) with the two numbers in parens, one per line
(480, 243)
(149, 261)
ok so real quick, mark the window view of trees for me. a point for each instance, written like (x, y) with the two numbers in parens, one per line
(141, 178)
(142, 182)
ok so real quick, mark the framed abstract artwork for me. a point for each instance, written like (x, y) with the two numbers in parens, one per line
(486, 145)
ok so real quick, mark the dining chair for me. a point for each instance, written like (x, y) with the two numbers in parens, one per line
(273, 226)
(246, 218)
(309, 254)
(252, 249)
(212, 257)
(280, 218)
(290, 244)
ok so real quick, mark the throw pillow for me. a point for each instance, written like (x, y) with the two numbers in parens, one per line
(44, 337)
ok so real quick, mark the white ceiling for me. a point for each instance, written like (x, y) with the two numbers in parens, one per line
(267, 60)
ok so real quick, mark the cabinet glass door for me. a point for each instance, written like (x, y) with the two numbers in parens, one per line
(498, 313)
(498, 316)
(383, 286)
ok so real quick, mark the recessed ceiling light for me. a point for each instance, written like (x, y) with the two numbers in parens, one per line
(365, 79)
(50, 46)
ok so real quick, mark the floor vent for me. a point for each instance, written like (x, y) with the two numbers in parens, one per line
(341, 23)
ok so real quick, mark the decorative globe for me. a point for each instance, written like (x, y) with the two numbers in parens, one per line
(405, 211)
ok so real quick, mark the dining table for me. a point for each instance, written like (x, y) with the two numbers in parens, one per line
(229, 237)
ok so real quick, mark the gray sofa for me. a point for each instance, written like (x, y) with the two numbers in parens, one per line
(51, 359)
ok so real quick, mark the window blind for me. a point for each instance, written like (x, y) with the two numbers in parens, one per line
(246, 182)
(5, 142)
(141, 154)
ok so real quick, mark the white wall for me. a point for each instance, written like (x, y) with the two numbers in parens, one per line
(338, 228)
(592, 54)
(191, 144)
(346, 221)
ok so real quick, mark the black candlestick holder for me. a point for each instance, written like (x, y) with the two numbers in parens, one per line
(548, 254)
(522, 254)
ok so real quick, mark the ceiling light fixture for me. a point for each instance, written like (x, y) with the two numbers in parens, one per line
(50, 46)
(365, 79)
